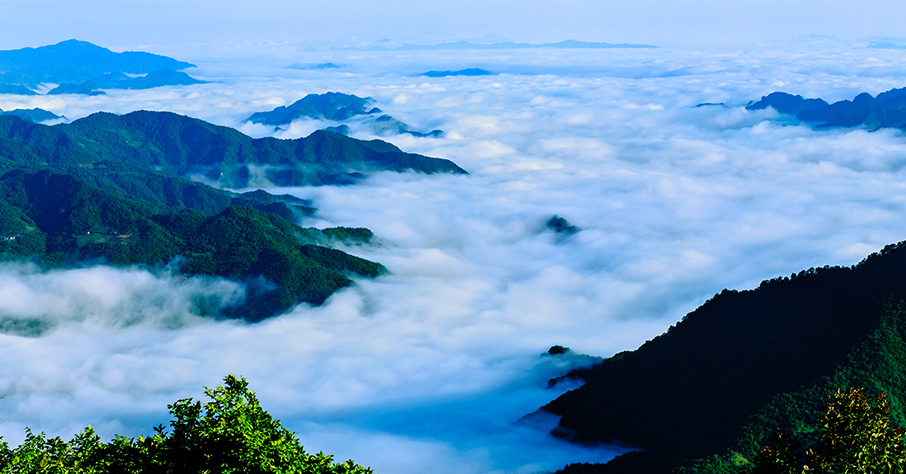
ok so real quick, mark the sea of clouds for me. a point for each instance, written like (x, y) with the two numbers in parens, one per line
(430, 367)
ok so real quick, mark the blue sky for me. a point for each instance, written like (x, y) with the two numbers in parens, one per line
(127, 24)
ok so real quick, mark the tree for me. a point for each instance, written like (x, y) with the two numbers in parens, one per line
(229, 434)
(857, 438)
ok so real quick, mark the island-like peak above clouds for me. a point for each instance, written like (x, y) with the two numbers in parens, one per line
(336, 107)
(74, 63)
(888, 109)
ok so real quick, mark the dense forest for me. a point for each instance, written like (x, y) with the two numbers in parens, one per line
(705, 395)
(231, 433)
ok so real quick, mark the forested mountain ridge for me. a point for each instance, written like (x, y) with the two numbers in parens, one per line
(714, 386)
(62, 221)
(190, 147)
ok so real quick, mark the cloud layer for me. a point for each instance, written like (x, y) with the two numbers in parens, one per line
(442, 355)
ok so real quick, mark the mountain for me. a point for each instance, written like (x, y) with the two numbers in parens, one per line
(113, 189)
(62, 220)
(74, 63)
(328, 106)
(888, 109)
(704, 396)
(387, 125)
(35, 115)
(15, 89)
(337, 107)
(465, 45)
(462, 72)
(189, 147)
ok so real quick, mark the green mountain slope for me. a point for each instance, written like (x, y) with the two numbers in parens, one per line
(713, 386)
(190, 147)
(62, 220)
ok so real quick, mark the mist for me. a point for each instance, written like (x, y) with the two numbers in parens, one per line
(432, 366)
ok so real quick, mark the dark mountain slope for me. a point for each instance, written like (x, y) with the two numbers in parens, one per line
(191, 147)
(693, 391)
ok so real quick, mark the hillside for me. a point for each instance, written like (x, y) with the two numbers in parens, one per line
(189, 147)
(62, 221)
(713, 387)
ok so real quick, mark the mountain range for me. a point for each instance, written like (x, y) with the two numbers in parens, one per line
(79, 67)
(472, 71)
(110, 188)
(704, 396)
(223, 156)
(338, 107)
(887, 109)
(465, 45)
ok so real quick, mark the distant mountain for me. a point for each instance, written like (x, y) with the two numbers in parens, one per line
(387, 125)
(328, 106)
(16, 89)
(189, 147)
(462, 45)
(79, 65)
(886, 45)
(462, 72)
(91, 191)
(35, 115)
(888, 109)
(85, 88)
(338, 107)
(708, 392)
(313, 66)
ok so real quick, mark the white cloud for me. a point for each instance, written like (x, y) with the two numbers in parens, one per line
(675, 203)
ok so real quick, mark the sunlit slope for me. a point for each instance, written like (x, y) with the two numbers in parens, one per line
(186, 146)
(745, 362)
(63, 221)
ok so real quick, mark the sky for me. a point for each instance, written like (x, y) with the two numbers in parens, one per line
(441, 358)
(169, 23)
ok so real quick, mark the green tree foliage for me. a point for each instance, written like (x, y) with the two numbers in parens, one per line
(229, 434)
(856, 439)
